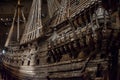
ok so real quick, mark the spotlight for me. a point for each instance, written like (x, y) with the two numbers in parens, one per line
(3, 51)
(1, 19)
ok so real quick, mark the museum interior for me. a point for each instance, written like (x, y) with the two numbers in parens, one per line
(59, 39)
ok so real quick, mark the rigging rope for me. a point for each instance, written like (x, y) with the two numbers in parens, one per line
(34, 25)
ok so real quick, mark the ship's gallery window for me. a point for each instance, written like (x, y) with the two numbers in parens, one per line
(37, 62)
(28, 63)
(17, 61)
(36, 48)
(22, 62)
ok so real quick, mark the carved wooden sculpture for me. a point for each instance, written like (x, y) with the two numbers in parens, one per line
(81, 40)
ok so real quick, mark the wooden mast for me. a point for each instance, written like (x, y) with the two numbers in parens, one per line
(18, 21)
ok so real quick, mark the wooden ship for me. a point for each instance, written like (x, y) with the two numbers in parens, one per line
(80, 41)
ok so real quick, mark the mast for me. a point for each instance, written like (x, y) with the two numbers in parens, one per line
(17, 15)
(18, 22)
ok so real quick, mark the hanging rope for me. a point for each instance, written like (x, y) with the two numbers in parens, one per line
(96, 19)
(17, 16)
(62, 12)
(53, 5)
(33, 28)
(11, 30)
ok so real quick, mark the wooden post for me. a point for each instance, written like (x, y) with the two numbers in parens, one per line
(18, 21)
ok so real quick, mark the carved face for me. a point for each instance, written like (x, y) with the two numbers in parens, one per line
(58, 41)
(62, 38)
(81, 41)
(75, 44)
(106, 33)
(95, 37)
(77, 32)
